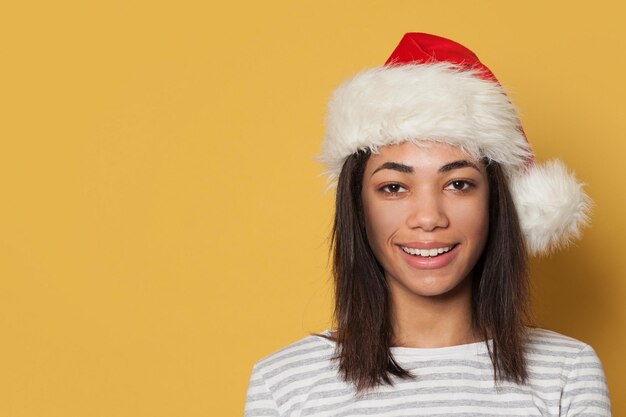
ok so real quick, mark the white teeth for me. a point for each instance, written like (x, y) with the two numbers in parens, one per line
(426, 252)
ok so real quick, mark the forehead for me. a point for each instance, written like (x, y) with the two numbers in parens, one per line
(424, 155)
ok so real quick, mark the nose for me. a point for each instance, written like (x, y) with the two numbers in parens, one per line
(427, 213)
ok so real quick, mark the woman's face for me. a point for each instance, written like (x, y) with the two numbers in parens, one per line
(426, 215)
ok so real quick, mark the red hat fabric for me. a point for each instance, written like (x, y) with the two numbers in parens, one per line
(422, 48)
(432, 89)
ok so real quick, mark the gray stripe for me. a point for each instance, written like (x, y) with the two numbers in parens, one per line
(297, 377)
(297, 364)
(552, 353)
(589, 403)
(585, 366)
(586, 390)
(255, 383)
(485, 364)
(553, 342)
(588, 378)
(300, 343)
(328, 394)
(460, 376)
(316, 395)
(549, 389)
(301, 351)
(399, 393)
(590, 414)
(263, 396)
(252, 412)
(415, 405)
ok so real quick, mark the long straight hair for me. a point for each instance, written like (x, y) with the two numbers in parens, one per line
(500, 301)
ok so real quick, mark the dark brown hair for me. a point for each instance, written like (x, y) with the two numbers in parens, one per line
(362, 307)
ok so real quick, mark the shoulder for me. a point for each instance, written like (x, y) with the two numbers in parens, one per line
(306, 353)
(583, 384)
(280, 379)
(575, 360)
(544, 338)
(559, 356)
(562, 349)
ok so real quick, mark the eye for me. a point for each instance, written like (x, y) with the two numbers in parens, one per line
(460, 185)
(392, 189)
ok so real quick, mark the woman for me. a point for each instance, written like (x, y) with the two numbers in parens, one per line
(438, 201)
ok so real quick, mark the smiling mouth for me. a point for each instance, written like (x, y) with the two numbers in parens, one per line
(427, 253)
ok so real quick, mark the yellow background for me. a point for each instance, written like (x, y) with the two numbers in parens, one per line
(163, 224)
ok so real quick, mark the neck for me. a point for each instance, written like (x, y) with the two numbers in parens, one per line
(432, 321)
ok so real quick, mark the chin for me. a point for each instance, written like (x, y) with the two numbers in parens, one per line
(430, 284)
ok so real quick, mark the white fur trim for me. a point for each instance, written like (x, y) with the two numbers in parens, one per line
(436, 102)
(551, 204)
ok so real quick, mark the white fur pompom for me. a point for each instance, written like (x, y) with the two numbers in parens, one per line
(551, 204)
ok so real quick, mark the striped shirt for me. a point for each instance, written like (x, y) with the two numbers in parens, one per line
(565, 379)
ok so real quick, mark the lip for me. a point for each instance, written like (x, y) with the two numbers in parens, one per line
(435, 262)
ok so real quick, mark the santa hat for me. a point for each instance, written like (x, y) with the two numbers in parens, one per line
(434, 89)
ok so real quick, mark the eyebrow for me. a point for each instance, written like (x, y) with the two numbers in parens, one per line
(463, 163)
(406, 169)
(394, 166)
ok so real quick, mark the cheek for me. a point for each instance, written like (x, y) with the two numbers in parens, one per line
(473, 220)
(381, 222)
